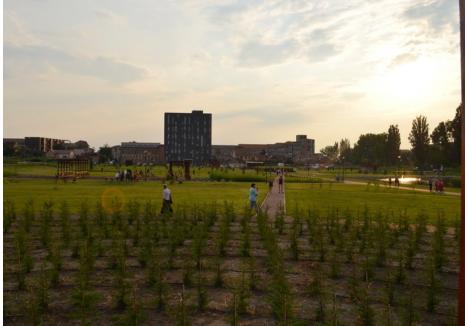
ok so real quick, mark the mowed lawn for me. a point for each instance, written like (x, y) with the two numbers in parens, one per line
(356, 197)
(189, 193)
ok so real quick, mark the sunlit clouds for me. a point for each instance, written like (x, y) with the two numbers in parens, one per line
(107, 71)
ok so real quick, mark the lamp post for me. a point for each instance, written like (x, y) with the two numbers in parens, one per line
(342, 168)
(399, 164)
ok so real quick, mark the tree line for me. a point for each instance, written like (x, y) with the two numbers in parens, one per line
(442, 147)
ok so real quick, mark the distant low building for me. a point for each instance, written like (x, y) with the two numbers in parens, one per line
(301, 151)
(138, 153)
(11, 146)
(42, 144)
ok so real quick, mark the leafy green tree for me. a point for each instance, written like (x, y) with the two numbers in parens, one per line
(455, 129)
(419, 139)
(393, 144)
(370, 149)
(345, 150)
(105, 153)
(441, 148)
(331, 151)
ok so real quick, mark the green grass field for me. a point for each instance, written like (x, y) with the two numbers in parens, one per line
(357, 197)
(21, 190)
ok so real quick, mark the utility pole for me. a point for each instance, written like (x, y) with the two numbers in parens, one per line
(461, 275)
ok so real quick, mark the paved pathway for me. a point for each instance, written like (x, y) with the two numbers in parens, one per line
(274, 201)
(405, 188)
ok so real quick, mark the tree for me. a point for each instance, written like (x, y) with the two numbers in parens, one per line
(440, 135)
(331, 151)
(105, 153)
(393, 144)
(345, 150)
(419, 139)
(370, 149)
(455, 129)
(441, 146)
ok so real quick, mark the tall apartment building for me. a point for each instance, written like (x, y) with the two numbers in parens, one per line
(187, 136)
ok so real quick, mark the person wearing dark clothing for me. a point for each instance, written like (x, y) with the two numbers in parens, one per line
(280, 184)
(430, 185)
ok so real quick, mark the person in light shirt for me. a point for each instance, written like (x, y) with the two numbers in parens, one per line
(253, 193)
(167, 200)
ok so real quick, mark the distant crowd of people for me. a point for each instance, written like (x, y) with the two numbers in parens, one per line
(397, 182)
(127, 175)
(437, 184)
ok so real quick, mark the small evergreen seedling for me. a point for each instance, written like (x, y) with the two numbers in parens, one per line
(294, 245)
(432, 288)
(9, 215)
(28, 215)
(335, 268)
(409, 316)
(181, 313)
(365, 312)
(219, 275)
(202, 299)
(64, 214)
(134, 315)
(389, 290)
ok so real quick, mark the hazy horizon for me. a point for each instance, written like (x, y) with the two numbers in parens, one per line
(106, 72)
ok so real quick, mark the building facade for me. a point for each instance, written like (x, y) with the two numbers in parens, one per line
(138, 153)
(301, 151)
(187, 136)
(42, 144)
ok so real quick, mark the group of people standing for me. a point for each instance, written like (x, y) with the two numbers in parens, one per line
(397, 182)
(127, 175)
(438, 184)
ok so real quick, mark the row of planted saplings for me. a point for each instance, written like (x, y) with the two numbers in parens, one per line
(366, 243)
(153, 236)
(158, 232)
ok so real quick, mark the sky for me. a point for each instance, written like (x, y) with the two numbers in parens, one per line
(106, 71)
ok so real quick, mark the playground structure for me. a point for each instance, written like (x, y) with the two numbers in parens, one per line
(185, 163)
(72, 168)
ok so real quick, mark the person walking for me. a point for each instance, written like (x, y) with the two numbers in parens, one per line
(280, 184)
(430, 184)
(167, 200)
(253, 193)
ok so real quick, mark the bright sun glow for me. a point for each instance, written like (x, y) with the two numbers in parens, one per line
(408, 82)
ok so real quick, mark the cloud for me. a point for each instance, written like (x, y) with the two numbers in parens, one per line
(259, 54)
(111, 16)
(40, 58)
(321, 52)
(438, 14)
(403, 58)
(268, 115)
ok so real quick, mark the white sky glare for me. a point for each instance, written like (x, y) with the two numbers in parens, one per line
(106, 71)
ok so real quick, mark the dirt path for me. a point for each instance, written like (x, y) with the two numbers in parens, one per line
(275, 201)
